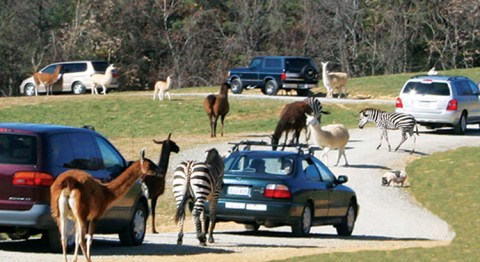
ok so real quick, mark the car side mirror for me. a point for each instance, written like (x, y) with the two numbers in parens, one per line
(342, 180)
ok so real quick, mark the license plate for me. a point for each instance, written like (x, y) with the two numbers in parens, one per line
(233, 205)
(238, 190)
(257, 207)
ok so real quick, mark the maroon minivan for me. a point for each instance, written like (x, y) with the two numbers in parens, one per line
(33, 155)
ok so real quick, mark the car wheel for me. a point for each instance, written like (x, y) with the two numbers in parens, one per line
(252, 227)
(78, 88)
(271, 88)
(461, 127)
(53, 238)
(236, 86)
(303, 92)
(29, 90)
(303, 226)
(134, 234)
(348, 222)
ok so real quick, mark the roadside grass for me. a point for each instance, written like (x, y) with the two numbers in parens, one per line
(446, 183)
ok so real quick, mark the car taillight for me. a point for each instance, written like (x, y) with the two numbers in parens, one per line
(114, 73)
(283, 76)
(277, 191)
(452, 105)
(399, 103)
(32, 179)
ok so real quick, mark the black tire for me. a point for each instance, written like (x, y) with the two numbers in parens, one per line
(53, 238)
(236, 86)
(461, 126)
(29, 90)
(303, 226)
(78, 88)
(303, 92)
(271, 88)
(134, 234)
(348, 222)
(252, 227)
(308, 72)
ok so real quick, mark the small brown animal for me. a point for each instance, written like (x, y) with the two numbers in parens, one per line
(156, 184)
(394, 177)
(77, 196)
(162, 88)
(217, 106)
(46, 79)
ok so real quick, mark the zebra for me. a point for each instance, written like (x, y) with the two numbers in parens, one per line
(393, 121)
(317, 111)
(198, 182)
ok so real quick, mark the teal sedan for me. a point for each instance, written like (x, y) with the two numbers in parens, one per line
(277, 188)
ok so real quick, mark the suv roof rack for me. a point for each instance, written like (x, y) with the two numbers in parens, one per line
(301, 148)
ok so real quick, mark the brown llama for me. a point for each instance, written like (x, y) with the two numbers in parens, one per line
(217, 106)
(78, 196)
(46, 79)
(292, 118)
(156, 184)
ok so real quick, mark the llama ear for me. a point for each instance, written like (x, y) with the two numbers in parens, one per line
(142, 159)
(325, 112)
(169, 135)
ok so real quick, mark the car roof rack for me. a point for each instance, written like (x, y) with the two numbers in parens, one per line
(247, 145)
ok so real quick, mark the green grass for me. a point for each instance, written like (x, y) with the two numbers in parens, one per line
(447, 184)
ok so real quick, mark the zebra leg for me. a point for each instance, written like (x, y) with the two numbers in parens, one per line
(381, 138)
(404, 137)
(213, 214)
(388, 142)
(414, 140)
(198, 225)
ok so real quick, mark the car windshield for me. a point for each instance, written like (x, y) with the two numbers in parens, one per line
(18, 149)
(281, 166)
(427, 88)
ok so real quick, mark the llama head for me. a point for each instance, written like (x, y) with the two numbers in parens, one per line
(311, 120)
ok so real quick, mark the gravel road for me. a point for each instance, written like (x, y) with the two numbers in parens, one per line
(389, 217)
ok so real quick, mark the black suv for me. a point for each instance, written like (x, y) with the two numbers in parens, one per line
(272, 73)
(33, 155)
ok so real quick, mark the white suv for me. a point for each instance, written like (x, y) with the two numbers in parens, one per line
(75, 77)
(441, 101)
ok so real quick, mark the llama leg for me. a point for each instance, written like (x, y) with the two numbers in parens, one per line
(89, 239)
(325, 155)
(160, 95)
(215, 120)
(168, 94)
(221, 120)
(154, 93)
(62, 209)
(154, 205)
(104, 89)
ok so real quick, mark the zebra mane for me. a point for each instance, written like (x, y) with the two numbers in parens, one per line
(215, 160)
(371, 109)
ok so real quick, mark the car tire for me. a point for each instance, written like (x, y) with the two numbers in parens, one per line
(54, 242)
(303, 92)
(134, 234)
(252, 227)
(236, 86)
(461, 126)
(271, 88)
(29, 90)
(302, 227)
(348, 222)
(78, 88)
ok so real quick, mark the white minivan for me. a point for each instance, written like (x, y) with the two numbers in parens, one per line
(75, 77)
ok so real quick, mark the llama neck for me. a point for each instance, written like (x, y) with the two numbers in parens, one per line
(125, 181)
(223, 91)
(317, 132)
(324, 74)
(164, 159)
(108, 75)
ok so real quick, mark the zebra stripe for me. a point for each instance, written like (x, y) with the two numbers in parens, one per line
(390, 121)
(198, 182)
(315, 105)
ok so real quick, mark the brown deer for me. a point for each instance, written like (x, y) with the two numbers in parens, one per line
(78, 196)
(155, 184)
(46, 79)
(217, 106)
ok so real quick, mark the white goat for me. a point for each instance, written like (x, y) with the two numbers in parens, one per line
(394, 177)
(432, 72)
(162, 88)
(334, 80)
(328, 137)
(102, 80)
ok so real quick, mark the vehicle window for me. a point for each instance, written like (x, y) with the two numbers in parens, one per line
(260, 165)
(255, 62)
(463, 89)
(473, 87)
(50, 69)
(18, 149)
(325, 173)
(273, 63)
(112, 160)
(420, 88)
(74, 150)
(296, 64)
(74, 67)
(311, 171)
(100, 66)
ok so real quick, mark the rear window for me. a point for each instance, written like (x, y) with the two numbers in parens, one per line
(420, 88)
(100, 66)
(74, 150)
(297, 64)
(18, 149)
(260, 165)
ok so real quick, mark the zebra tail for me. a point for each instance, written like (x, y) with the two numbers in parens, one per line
(186, 195)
